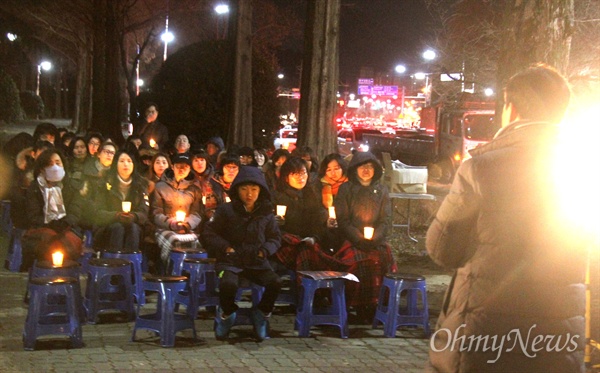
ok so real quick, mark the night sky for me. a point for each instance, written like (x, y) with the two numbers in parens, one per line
(373, 33)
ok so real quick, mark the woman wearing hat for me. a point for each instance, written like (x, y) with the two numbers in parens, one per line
(176, 206)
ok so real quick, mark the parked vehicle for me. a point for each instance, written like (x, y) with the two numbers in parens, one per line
(352, 138)
(286, 139)
(447, 132)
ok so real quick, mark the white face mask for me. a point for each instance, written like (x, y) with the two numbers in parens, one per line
(54, 173)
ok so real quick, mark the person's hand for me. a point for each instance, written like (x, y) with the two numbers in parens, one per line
(280, 220)
(332, 223)
(366, 245)
(125, 218)
(176, 226)
(309, 240)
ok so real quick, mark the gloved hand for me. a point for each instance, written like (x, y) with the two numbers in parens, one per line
(280, 220)
(309, 240)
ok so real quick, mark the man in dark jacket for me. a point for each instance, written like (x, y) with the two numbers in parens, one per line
(150, 130)
(243, 234)
(517, 299)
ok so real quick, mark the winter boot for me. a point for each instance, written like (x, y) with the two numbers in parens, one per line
(261, 324)
(223, 325)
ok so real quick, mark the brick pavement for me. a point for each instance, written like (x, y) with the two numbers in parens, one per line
(108, 347)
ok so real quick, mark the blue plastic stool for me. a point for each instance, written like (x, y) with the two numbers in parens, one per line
(102, 294)
(394, 314)
(44, 268)
(289, 295)
(201, 285)
(136, 259)
(336, 314)
(244, 314)
(178, 255)
(54, 308)
(6, 220)
(14, 257)
(165, 321)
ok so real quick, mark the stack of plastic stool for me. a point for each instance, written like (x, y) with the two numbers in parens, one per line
(54, 308)
(109, 287)
(14, 257)
(165, 321)
(392, 314)
(178, 255)
(135, 258)
(336, 314)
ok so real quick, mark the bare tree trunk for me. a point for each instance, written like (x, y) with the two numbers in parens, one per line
(113, 90)
(79, 121)
(240, 123)
(58, 99)
(319, 77)
(99, 62)
(535, 31)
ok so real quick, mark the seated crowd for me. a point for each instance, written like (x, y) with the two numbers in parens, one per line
(143, 197)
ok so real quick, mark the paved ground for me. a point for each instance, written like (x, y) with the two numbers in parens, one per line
(108, 347)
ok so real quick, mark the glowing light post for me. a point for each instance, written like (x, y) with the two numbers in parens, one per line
(429, 55)
(167, 36)
(221, 9)
(44, 65)
(401, 69)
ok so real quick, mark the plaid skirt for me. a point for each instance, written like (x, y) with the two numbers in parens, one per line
(168, 240)
(368, 265)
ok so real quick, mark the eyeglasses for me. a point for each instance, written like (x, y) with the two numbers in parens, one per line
(108, 152)
(96, 144)
(299, 175)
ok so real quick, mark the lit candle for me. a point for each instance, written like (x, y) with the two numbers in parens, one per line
(368, 232)
(180, 216)
(332, 212)
(204, 200)
(281, 209)
(57, 258)
(152, 143)
(126, 205)
(227, 199)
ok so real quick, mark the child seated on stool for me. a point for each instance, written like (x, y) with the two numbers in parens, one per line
(243, 234)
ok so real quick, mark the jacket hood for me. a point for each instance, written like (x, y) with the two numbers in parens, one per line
(217, 141)
(250, 174)
(360, 158)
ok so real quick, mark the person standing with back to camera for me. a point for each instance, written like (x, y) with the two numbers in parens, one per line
(519, 264)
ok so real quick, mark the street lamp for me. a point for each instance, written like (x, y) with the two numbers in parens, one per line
(429, 55)
(44, 65)
(11, 37)
(400, 69)
(221, 10)
(280, 76)
(167, 37)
